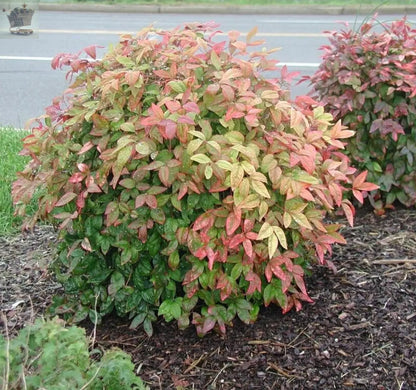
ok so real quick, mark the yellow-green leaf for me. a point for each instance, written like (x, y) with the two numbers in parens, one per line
(301, 220)
(194, 145)
(197, 134)
(208, 172)
(265, 231)
(259, 177)
(201, 158)
(263, 209)
(215, 145)
(269, 95)
(128, 127)
(143, 148)
(223, 164)
(248, 168)
(244, 187)
(236, 176)
(272, 245)
(251, 202)
(280, 234)
(234, 137)
(304, 177)
(287, 219)
(268, 163)
(260, 188)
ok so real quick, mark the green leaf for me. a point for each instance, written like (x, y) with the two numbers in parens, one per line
(148, 327)
(304, 177)
(143, 148)
(126, 61)
(215, 60)
(236, 271)
(116, 283)
(170, 309)
(177, 85)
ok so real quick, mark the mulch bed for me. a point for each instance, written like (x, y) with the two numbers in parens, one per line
(359, 334)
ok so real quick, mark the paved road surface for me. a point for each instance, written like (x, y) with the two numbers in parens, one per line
(28, 84)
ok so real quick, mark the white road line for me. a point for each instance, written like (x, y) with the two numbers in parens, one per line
(289, 64)
(20, 58)
(115, 32)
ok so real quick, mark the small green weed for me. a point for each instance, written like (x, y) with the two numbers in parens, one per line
(47, 355)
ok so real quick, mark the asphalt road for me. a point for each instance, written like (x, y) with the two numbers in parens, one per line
(28, 84)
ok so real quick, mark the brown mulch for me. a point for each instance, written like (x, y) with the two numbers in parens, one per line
(359, 334)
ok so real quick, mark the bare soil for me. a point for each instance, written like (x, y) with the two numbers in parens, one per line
(359, 334)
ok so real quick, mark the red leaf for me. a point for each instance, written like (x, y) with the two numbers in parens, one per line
(203, 222)
(86, 147)
(191, 275)
(358, 195)
(182, 191)
(248, 247)
(140, 200)
(68, 197)
(236, 240)
(233, 113)
(157, 112)
(186, 119)
(170, 129)
(191, 107)
(255, 282)
(172, 105)
(349, 211)
(151, 201)
(76, 178)
(164, 176)
(232, 223)
(91, 51)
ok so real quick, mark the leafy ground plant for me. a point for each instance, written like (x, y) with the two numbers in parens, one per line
(367, 79)
(48, 355)
(184, 183)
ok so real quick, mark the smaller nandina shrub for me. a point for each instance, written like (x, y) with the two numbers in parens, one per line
(368, 80)
(185, 182)
(48, 355)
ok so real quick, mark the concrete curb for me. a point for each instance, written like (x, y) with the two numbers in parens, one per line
(225, 9)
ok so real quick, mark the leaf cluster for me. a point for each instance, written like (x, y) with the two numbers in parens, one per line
(367, 79)
(184, 183)
(48, 355)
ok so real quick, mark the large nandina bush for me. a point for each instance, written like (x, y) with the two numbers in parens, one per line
(368, 80)
(185, 182)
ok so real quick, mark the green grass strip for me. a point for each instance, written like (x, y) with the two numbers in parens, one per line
(11, 162)
(220, 3)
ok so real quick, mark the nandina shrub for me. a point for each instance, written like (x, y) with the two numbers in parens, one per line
(368, 80)
(185, 183)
